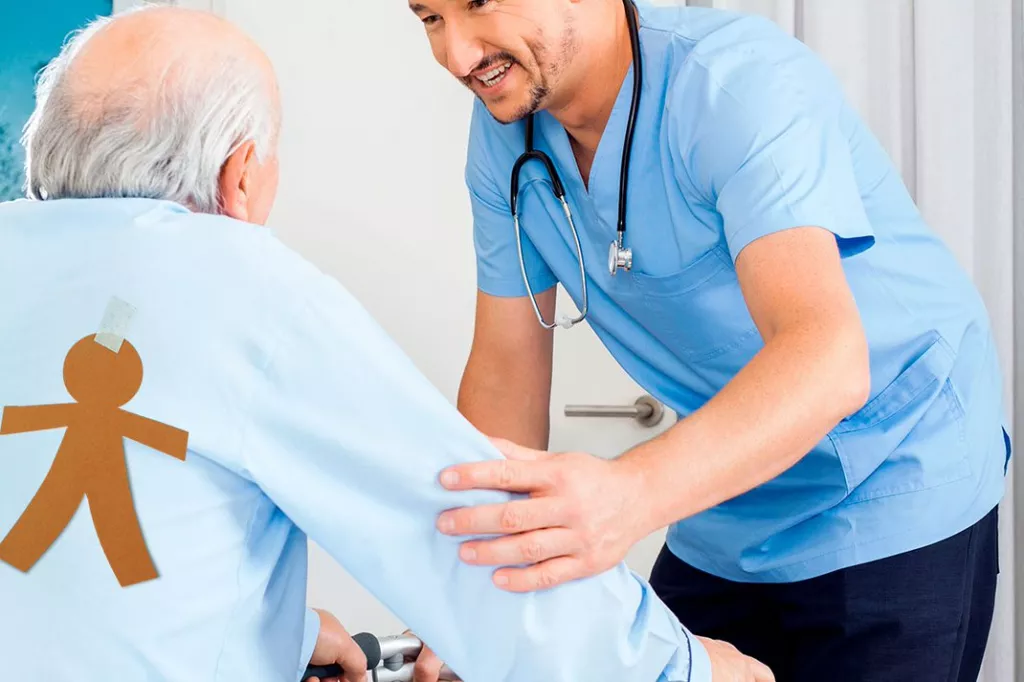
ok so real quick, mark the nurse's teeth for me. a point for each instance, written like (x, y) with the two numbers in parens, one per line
(493, 76)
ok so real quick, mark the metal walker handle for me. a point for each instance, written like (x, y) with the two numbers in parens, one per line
(385, 660)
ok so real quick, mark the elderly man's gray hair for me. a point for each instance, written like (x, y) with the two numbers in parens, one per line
(164, 135)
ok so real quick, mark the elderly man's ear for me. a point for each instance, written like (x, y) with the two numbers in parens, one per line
(247, 186)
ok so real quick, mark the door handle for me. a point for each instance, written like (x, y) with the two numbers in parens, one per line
(647, 411)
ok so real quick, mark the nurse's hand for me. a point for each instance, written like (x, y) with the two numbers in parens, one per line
(335, 645)
(729, 665)
(582, 516)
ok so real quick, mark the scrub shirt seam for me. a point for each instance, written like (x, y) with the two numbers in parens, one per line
(836, 99)
(796, 221)
(674, 32)
(762, 228)
(746, 109)
(711, 201)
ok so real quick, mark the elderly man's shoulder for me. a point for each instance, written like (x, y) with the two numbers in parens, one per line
(163, 236)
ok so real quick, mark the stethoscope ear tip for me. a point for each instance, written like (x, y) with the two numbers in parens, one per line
(565, 322)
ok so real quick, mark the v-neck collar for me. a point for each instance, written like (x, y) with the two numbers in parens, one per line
(605, 170)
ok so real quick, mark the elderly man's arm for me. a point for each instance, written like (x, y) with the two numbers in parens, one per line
(348, 438)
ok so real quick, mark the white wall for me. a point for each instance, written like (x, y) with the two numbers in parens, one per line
(934, 80)
(372, 156)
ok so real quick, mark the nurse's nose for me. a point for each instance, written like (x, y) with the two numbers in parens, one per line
(463, 49)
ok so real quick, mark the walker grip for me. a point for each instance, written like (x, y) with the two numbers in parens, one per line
(370, 645)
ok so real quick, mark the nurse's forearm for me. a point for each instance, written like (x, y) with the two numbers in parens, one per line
(505, 405)
(506, 389)
(802, 383)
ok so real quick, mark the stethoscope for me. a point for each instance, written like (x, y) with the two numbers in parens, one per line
(619, 256)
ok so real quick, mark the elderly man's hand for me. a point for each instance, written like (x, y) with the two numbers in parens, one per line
(335, 646)
(429, 668)
(582, 517)
(729, 665)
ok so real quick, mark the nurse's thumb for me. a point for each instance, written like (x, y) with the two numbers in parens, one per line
(518, 452)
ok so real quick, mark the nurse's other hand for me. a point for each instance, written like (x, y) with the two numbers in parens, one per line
(335, 646)
(729, 665)
(582, 516)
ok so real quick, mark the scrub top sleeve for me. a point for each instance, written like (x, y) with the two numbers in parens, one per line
(348, 439)
(764, 141)
(494, 236)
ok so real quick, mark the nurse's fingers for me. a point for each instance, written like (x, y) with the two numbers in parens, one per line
(515, 476)
(542, 576)
(517, 516)
(525, 548)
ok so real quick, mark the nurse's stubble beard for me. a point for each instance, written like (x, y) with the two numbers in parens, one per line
(540, 88)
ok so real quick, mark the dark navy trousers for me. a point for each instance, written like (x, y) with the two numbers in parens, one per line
(923, 616)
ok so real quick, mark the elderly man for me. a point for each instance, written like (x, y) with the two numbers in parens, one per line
(205, 392)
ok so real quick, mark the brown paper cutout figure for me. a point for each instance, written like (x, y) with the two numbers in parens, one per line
(90, 461)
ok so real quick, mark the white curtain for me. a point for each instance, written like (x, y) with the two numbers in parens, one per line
(935, 80)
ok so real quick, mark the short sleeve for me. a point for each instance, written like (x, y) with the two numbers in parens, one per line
(499, 272)
(348, 439)
(763, 138)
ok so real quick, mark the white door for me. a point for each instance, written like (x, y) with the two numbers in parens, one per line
(372, 191)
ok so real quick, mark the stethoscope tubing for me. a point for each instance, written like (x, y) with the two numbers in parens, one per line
(619, 256)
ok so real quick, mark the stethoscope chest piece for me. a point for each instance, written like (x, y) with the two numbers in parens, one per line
(619, 258)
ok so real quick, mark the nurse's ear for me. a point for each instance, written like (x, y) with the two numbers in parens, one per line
(235, 185)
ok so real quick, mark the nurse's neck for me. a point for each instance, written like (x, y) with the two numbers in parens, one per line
(600, 67)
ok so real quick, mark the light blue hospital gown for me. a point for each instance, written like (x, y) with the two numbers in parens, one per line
(277, 375)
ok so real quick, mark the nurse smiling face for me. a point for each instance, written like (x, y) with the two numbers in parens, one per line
(515, 55)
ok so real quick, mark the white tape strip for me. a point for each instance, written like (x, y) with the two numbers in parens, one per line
(114, 327)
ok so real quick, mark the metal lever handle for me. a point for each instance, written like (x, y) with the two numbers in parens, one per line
(646, 410)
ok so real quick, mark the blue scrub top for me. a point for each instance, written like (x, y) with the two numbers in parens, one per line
(744, 132)
(304, 420)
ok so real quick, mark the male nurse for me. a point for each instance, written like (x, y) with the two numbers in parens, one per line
(831, 487)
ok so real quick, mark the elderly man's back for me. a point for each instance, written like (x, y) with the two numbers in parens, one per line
(185, 401)
(277, 376)
(208, 294)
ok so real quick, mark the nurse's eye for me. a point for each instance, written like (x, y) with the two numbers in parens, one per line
(431, 20)
(477, 4)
